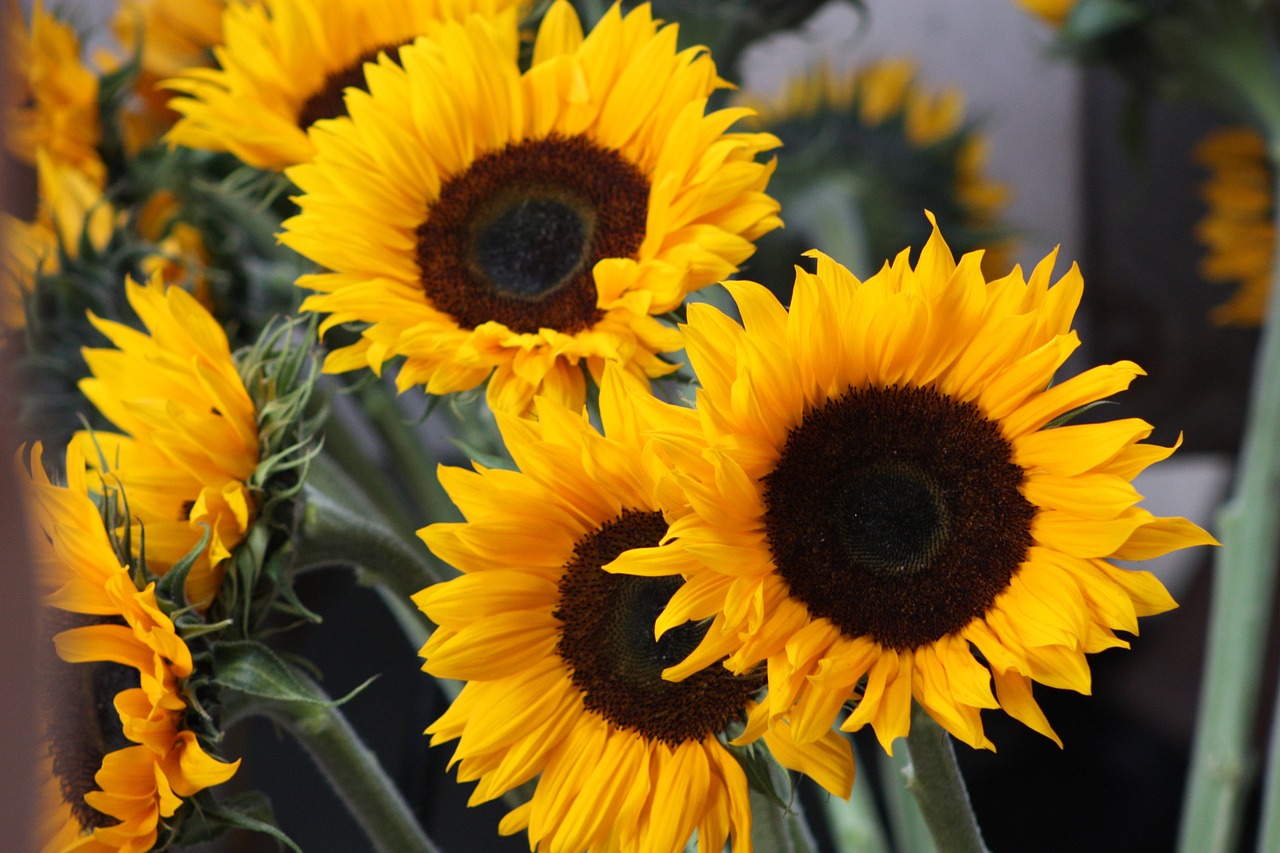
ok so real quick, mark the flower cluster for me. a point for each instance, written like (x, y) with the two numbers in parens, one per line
(696, 546)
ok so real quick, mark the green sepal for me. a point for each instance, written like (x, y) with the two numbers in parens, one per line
(1067, 417)
(253, 669)
(764, 773)
(209, 819)
(173, 586)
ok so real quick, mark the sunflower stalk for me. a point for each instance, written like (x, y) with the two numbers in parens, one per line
(855, 823)
(774, 826)
(933, 776)
(351, 768)
(332, 531)
(1249, 533)
(417, 466)
(1243, 590)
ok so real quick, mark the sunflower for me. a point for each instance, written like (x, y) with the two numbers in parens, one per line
(56, 104)
(563, 672)
(1237, 231)
(888, 504)
(112, 776)
(167, 37)
(71, 211)
(489, 223)
(284, 66)
(190, 442)
(897, 146)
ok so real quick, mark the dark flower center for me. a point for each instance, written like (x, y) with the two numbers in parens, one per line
(607, 641)
(896, 513)
(515, 236)
(82, 725)
(327, 101)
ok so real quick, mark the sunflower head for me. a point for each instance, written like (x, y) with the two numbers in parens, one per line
(122, 751)
(1237, 230)
(284, 66)
(563, 670)
(204, 440)
(56, 105)
(889, 507)
(538, 221)
(887, 146)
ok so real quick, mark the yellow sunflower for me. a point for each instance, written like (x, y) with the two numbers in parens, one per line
(902, 145)
(169, 37)
(1238, 231)
(70, 208)
(563, 672)
(190, 441)
(110, 780)
(889, 516)
(139, 784)
(490, 223)
(55, 107)
(284, 66)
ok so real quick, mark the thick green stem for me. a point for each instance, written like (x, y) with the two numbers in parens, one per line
(411, 461)
(934, 778)
(777, 828)
(332, 532)
(352, 770)
(855, 824)
(346, 459)
(831, 212)
(1243, 590)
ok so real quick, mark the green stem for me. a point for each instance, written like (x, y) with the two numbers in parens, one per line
(1244, 585)
(414, 465)
(332, 532)
(855, 824)
(830, 212)
(1243, 591)
(934, 778)
(352, 770)
(905, 819)
(345, 455)
(777, 828)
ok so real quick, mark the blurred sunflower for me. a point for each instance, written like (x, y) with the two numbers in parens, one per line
(1237, 230)
(190, 431)
(887, 147)
(564, 676)
(113, 774)
(284, 65)
(954, 539)
(168, 37)
(71, 211)
(55, 106)
(489, 223)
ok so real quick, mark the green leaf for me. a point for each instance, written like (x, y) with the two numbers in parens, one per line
(255, 670)
(250, 810)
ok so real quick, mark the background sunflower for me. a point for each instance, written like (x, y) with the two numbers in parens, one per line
(864, 150)
(1237, 230)
(284, 66)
